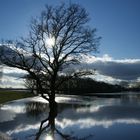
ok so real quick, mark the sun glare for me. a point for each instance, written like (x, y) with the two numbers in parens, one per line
(49, 137)
(50, 41)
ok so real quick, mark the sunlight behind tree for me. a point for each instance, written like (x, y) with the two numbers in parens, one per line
(49, 137)
(57, 40)
(50, 41)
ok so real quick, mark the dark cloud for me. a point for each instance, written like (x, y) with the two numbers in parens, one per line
(125, 69)
(119, 70)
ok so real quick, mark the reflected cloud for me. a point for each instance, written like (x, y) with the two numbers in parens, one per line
(23, 128)
(6, 116)
(90, 123)
(73, 119)
(15, 109)
(89, 109)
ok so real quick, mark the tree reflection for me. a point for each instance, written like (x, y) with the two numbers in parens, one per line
(50, 126)
(47, 129)
(4, 136)
(36, 108)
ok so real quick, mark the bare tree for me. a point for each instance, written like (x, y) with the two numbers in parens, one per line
(56, 41)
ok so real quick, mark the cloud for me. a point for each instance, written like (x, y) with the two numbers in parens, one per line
(107, 79)
(108, 69)
(13, 72)
(12, 82)
(124, 69)
(12, 77)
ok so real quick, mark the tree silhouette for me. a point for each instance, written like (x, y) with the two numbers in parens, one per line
(1, 73)
(48, 125)
(57, 40)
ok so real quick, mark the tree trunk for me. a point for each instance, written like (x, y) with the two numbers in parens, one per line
(52, 103)
(50, 120)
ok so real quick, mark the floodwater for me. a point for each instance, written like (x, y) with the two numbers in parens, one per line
(78, 118)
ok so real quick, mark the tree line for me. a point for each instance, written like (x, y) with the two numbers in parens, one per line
(78, 86)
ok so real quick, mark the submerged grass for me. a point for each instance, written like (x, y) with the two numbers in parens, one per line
(8, 95)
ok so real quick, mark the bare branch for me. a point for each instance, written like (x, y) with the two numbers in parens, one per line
(56, 39)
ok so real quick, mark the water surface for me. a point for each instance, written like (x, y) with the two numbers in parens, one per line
(89, 118)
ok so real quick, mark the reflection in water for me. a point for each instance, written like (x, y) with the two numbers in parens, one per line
(94, 119)
(36, 108)
(4, 136)
(52, 133)
(48, 130)
(50, 126)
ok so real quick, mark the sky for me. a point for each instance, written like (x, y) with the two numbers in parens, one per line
(117, 22)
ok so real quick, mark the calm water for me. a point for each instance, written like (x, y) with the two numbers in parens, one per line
(88, 118)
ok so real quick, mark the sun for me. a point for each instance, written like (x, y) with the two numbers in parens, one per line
(49, 137)
(50, 41)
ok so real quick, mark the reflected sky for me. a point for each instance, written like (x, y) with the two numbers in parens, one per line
(91, 118)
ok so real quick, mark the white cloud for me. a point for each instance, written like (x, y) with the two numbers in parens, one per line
(11, 82)
(12, 77)
(107, 68)
(122, 69)
(7, 69)
(105, 78)
(93, 59)
(107, 58)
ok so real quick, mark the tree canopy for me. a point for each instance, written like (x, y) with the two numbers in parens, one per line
(56, 40)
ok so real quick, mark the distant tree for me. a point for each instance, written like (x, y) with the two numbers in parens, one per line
(1, 72)
(30, 84)
(57, 40)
